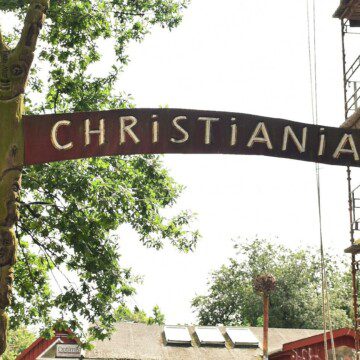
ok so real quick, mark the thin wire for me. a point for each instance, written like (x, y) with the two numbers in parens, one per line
(319, 192)
(315, 116)
(314, 119)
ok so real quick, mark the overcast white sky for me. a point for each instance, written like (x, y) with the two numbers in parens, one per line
(250, 57)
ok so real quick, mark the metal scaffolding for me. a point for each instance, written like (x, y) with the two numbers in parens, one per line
(349, 14)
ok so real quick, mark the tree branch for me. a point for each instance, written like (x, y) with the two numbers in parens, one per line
(15, 65)
(42, 203)
(34, 21)
(31, 275)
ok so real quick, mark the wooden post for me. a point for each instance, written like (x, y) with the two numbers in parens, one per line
(266, 327)
(15, 66)
(264, 285)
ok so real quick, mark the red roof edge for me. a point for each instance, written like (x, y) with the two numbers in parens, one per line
(32, 346)
(41, 340)
(318, 338)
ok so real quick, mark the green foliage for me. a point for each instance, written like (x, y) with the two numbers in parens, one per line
(123, 313)
(69, 215)
(19, 340)
(297, 299)
(69, 262)
(70, 46)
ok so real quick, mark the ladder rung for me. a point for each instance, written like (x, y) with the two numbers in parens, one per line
(353, 68)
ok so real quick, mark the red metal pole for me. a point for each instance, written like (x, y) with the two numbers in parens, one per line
(266, 326)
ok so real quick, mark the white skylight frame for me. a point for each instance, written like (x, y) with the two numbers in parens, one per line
(177, 335)
(210, 335)
(242, 336)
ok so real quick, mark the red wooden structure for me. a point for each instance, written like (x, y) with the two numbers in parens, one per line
(41, 345)
(312, 348)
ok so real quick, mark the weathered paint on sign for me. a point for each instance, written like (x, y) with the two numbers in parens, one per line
(68, 351)
(60, 137)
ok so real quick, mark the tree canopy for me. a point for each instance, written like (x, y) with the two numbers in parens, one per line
(295, 303)
(69, 264)
(69, 47)
(123, 313)
(19, 340)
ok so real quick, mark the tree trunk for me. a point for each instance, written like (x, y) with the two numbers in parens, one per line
(11, 162)
(15, 66)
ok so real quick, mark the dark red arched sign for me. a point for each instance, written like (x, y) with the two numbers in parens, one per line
(174, 131)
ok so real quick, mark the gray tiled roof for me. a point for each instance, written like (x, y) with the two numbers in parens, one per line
(143, 342)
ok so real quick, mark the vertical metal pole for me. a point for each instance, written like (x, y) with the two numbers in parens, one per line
(355, 94)
(266, 326)
(353, 266)
(344, 64)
